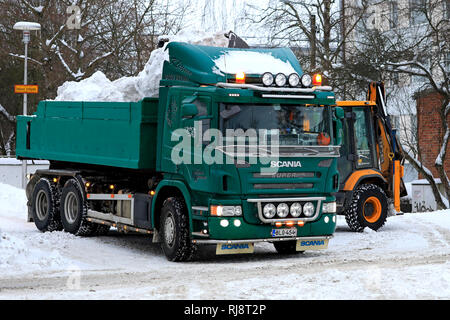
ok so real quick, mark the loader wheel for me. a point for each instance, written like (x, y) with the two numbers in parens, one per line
(368, 208)
(174, 231)
(286, 247)
(44, 206)
(73, 210)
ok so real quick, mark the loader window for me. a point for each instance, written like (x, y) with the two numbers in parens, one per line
(362, 138)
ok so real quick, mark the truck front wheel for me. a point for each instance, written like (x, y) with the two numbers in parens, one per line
(44, 206)
(368, 208)
(174, 231)
(74, 210)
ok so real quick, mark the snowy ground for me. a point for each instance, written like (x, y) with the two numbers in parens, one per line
(408, 259)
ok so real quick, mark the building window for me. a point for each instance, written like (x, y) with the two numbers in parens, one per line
(447, 9)
(393, 14)
(417, 9)
(447, 61)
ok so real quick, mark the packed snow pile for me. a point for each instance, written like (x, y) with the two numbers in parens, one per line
(252, 62)
(146, 84)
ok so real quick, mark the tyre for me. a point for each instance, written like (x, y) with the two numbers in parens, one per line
(286, 247)
(368, 208)
(73, 210)
(44, 206)
(174, 231)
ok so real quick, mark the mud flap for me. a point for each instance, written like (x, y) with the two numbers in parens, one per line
(234, 248)
(316, 244)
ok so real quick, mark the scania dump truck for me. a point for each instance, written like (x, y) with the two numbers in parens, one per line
(220, 157)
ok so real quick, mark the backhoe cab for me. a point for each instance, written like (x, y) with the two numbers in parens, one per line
(370, 164)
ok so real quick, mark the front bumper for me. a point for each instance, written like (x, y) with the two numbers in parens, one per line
(208, 241)
(237, 229)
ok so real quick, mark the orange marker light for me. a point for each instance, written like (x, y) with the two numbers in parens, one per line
(278, 224)
(300, 223)
(289, 223)
(317, 79)
(240, 77)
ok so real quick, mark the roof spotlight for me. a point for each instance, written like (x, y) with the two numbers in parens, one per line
(294, 80)
(306, 80)
(267, 79)
(280, 80)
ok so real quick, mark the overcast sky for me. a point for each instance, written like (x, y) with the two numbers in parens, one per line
(223, 15)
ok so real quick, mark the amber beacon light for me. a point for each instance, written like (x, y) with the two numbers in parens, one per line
(240, 77)
(317, 79)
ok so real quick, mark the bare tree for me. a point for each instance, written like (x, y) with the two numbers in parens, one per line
(418, 53)
(316, 27)
(77, 39)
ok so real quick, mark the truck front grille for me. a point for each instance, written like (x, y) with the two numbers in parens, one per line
(286, 186)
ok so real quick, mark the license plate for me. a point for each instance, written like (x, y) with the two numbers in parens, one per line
(291, 232)
(312, 244)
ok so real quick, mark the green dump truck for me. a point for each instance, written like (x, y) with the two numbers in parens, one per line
(222, 157)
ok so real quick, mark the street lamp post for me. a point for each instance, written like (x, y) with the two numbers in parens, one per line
(26, 28)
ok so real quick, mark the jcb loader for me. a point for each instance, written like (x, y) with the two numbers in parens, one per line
(370, 164)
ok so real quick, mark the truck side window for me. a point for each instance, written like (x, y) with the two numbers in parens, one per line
(203, 110)
(363, 149)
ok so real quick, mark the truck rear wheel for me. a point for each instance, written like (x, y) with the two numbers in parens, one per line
(44, 206)
(368, 208)
(73, 210)
(174, 231)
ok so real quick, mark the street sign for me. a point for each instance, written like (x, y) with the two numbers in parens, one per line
(30, 89)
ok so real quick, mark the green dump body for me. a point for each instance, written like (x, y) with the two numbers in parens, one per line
(117, 134)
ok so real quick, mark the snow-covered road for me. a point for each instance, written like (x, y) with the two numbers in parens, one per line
(407, 259)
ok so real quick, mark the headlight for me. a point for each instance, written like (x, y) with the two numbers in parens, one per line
(294, 80)
(296, 209)
(226, 211)
(329, 207)
(269, 211)
(308, 209)
(267, 79)
(306, 80)
(280, 80)
(282, 210)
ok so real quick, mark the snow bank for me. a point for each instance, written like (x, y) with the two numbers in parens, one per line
(17, 255)
(13, 203)
(146, 84)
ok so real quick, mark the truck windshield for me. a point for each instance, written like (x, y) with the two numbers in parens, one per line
(292, 124)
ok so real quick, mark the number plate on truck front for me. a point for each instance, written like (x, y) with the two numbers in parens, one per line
(291, 232)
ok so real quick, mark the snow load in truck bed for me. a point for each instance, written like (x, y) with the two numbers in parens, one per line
(146, 84)
(131, 89)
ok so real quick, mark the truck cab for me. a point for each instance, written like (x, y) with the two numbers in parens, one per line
(244, 149)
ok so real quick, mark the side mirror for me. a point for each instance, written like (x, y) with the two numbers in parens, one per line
(339, 112)
(189, 110)
(337, 119)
